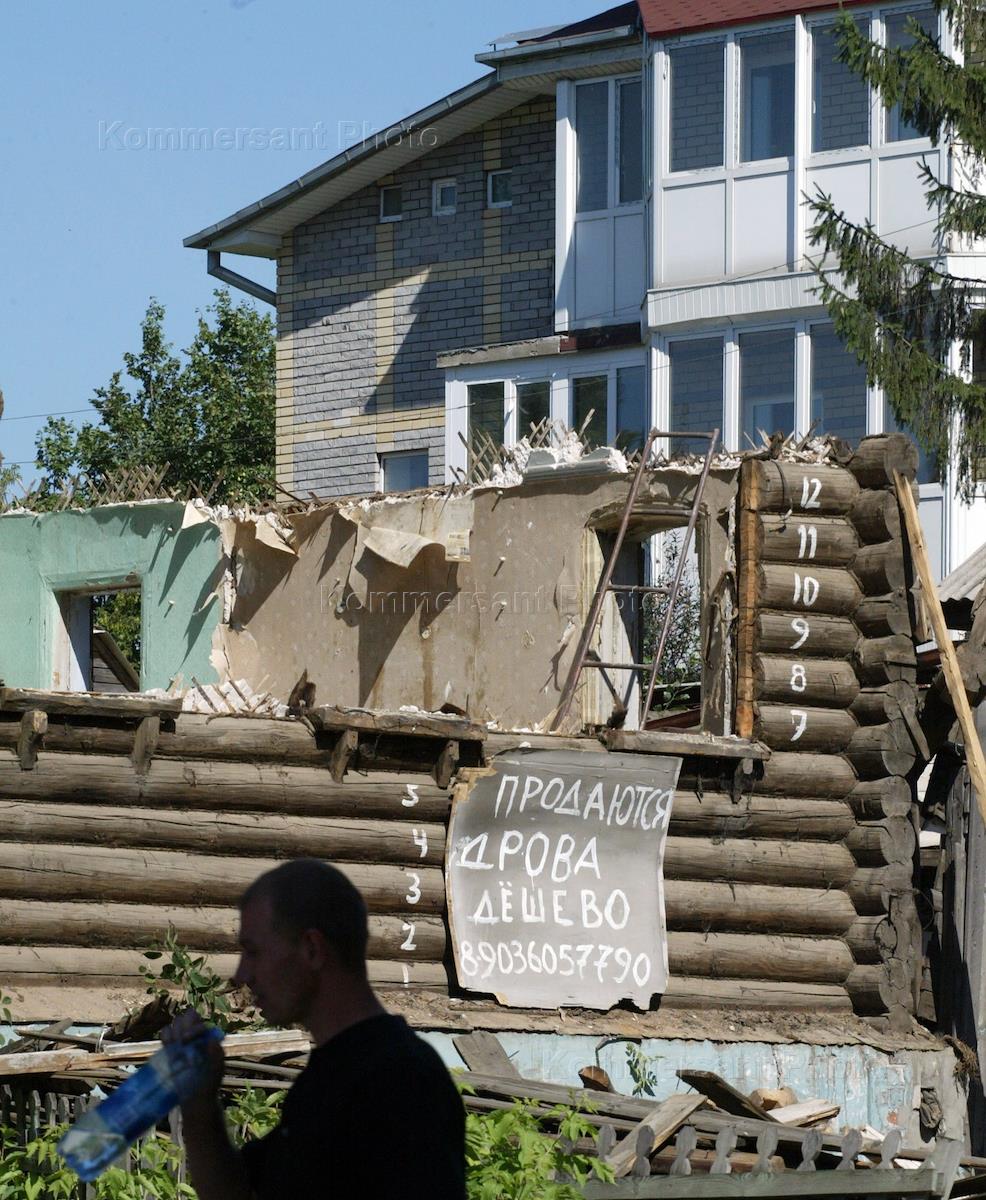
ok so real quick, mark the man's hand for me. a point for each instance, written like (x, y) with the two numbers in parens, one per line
(186, 1027)
(216, 1168)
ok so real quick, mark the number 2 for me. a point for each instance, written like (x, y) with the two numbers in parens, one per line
(408, 943)
(810, 491)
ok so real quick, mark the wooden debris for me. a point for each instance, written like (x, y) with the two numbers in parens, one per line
(808, 1112)
(596, 1079)
(658, 1126)
(723, 1095)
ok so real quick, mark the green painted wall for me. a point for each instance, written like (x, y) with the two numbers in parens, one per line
(43, 554)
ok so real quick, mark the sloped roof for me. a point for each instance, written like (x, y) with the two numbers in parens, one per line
(663, 17)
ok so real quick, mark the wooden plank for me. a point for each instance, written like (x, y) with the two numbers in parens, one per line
(806, 1112)
(723, 1095)
(88, 704)
(266, 1042)
(680, 743)
(661, 1124)
(409, 724)
(481, 1051)
(975, 759)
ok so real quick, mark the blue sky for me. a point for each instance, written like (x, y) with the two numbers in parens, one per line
(93, 219)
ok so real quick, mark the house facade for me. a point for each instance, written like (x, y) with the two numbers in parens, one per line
(607, 229)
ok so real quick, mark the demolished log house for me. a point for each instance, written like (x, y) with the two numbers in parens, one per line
(791, 846)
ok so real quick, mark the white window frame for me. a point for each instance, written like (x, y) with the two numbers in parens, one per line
(614, 206)
(392, 454)
(557, 370)
(437, 208)
(391, 187)
(490, 202)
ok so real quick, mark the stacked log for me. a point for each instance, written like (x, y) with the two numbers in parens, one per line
(827, 680)
(98, 859)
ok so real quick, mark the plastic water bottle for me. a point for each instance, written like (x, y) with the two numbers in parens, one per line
(164, 1081)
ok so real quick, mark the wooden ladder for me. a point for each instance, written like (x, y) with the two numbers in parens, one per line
(606, 585)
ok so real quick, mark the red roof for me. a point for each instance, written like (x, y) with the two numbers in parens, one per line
(663, 17)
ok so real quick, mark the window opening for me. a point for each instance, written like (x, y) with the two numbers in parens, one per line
(927, 464)
(838, 386)
(609, 144)
(766, 384)
(698, 95)
(98, 648)
(767, 95)
(404, 470)
(840, 101)
(499, 189)
(391, 203)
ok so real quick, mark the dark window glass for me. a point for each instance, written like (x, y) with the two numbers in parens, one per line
(630, 153)
(592, 146)
(698, 92)
(696, 391)
(899, 38)
(838, 387)
(631, 408)
(533, 405)
(840, 108)
(500, 193)
(767, 95)
(390, 203)
(403, 472)
(486, 411)
(766, 384)
(589, 395)
(927, 464)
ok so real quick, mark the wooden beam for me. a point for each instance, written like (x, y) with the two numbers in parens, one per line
(482, 1051)
(685, 745)
(34, 725)
(145, 743)
(658, 1126)
(748, 582)
(88, 704)
(446, 764)
(409, 724)
(975, 760)
(342, 753)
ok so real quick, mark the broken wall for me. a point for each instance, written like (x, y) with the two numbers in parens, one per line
(473, 600)
(121, 545)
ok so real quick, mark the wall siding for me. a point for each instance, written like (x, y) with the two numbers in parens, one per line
(365, 307)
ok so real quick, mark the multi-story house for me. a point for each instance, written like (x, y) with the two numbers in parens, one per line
(610, 221)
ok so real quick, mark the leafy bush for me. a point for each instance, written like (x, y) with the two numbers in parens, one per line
(510, 1157)
(201, 988)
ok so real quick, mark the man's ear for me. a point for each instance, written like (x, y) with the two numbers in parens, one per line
(316, 950)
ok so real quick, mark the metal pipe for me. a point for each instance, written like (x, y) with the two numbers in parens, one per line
(235, 279)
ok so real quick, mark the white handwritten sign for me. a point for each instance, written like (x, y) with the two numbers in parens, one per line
(555, 871)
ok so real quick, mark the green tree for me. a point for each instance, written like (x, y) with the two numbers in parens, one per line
(208, 414)
(900, 315)
(8, 475)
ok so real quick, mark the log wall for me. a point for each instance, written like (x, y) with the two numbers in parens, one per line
(827, 680)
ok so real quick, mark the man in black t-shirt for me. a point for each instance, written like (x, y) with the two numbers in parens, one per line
(375, 1112)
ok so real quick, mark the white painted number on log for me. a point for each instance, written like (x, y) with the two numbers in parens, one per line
(421, 840)
(799, 680)
(810, 491)
(802, 629)
(408, 943)
(412, 796)
(414, 891)
(800, 719)
(809, 541)
(806, 591)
